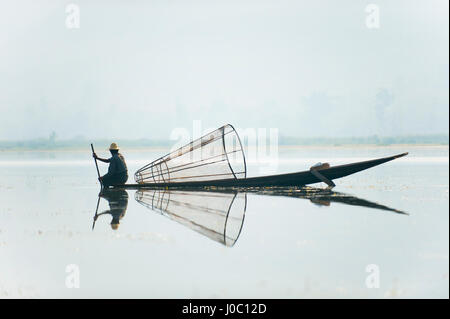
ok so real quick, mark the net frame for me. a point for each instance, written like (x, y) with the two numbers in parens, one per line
(162, 170)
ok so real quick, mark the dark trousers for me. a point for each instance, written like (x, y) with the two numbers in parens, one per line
(116, 179)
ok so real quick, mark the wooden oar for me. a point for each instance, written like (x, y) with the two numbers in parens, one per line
(96, 165)
(96, 211)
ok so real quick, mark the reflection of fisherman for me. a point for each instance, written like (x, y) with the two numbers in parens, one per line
(117, 171)
(118, 202)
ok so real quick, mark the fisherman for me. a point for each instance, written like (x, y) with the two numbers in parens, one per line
(117, 171)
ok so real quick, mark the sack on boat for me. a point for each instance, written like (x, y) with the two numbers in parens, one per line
(319, 166)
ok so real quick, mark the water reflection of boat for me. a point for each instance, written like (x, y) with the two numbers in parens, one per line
(321, 196)
(216, 215)
(219, 214)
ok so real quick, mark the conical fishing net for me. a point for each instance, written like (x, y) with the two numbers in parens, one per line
(217, 155)
(217, 215)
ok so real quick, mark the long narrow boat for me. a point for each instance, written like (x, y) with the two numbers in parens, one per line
(217, 159)
(291, 179)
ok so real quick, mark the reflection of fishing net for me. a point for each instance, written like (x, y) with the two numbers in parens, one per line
(219, 216)
(217, 155)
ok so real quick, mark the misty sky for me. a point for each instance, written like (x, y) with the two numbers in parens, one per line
(138, 69)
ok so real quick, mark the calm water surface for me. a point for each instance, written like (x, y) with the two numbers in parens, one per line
(181, 245)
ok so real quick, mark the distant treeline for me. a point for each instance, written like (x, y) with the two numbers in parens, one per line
(440, 139)
(73, 144)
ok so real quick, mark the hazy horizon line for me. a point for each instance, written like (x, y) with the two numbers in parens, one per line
(77, 142)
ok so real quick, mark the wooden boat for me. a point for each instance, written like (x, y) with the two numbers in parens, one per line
(291, 179)
(217, 160)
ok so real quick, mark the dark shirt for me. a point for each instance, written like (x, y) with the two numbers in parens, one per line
(117, 164)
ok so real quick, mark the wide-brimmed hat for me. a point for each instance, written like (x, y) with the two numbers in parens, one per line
(114, 147)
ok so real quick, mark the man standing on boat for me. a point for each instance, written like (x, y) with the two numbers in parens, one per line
(117, 171)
